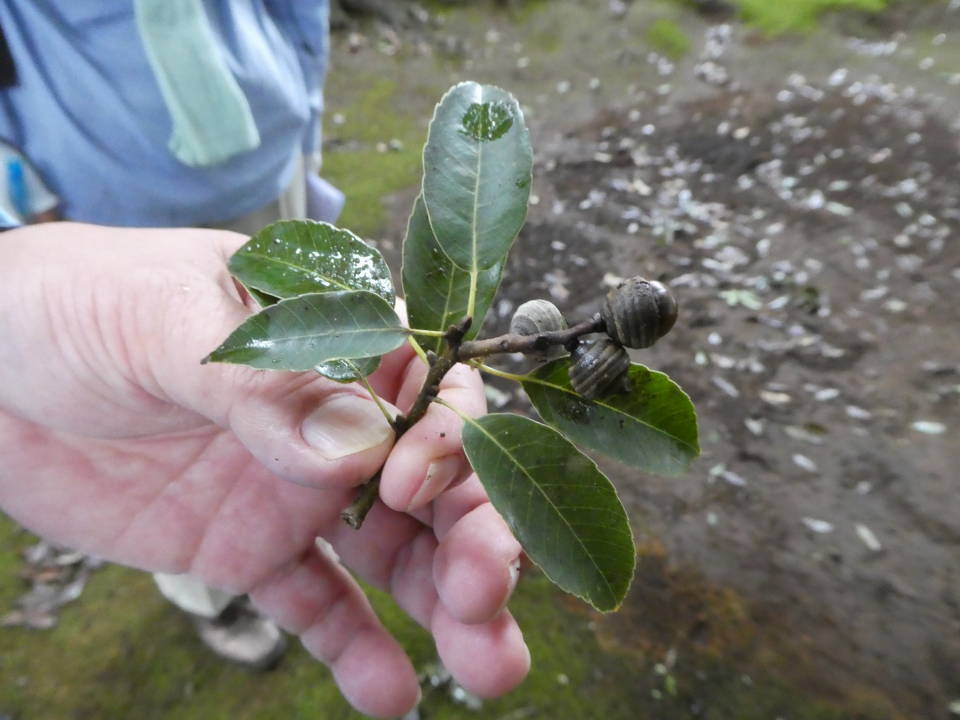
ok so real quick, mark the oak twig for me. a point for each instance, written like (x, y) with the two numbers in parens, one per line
(358, 509)
(513, 343)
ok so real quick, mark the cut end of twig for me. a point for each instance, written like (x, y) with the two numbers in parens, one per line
(352, 519)
(356, 513)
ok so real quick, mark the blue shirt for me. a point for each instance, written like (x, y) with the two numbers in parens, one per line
(89, 115)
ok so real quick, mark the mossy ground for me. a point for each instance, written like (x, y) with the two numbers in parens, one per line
(374, 114)
(121, 651)
(667, 37)
(779, 16)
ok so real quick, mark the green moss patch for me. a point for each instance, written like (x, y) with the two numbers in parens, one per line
(667, 38)
(374, 152)
(780, 16)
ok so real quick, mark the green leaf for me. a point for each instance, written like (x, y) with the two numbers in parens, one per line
(477, 167)
(435, 289)
(562, 509)
(653, 427)
(302, 332)
(295, 257)
(343, 371)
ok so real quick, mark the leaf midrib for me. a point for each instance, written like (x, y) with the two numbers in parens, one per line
(348, 331)
(549, 502)
(476, 204)
(280, 261)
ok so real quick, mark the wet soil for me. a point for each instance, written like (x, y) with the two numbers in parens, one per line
(817, 497)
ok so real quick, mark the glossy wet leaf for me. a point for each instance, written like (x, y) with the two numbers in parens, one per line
(295, 257)
(562, 509)
(342, 371)
(436, 290)
(477, 171)
(302, 332)
(653, 427)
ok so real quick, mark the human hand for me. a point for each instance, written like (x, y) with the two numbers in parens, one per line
(116, 441)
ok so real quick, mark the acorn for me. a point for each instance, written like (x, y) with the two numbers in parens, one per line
(599, 367)
(535, 317)
(638, 312)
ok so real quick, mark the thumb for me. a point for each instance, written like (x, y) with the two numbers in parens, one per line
(308, 429)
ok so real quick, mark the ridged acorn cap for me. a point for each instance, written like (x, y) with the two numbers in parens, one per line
(638, 312)
(535, 317)
(599, 367)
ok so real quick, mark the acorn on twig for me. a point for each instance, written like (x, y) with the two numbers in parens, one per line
(638, 312)
(535, 317)
(599, 367)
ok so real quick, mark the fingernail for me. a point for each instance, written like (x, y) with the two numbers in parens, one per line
(514, 569)
(440, 473)
(345, 424)
(514, 573)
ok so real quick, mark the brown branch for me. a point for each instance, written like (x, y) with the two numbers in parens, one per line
(512, 343)
(358, 509)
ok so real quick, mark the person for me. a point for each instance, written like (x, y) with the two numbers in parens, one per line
(118, 442)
